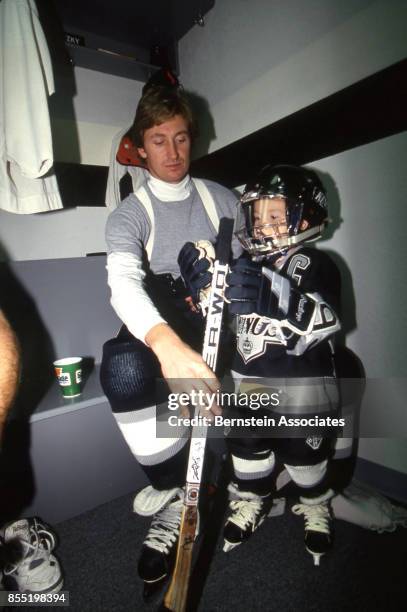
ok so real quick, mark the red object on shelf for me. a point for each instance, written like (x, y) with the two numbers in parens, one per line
(127, 153)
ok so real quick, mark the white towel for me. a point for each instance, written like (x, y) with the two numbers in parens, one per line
(26, 81)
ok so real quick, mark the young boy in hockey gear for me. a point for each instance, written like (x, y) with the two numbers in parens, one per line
(285, 297)
(161, 337)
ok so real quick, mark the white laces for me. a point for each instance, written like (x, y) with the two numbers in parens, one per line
(316, 517)
(245, 512)
(41, 540)
(164, 528)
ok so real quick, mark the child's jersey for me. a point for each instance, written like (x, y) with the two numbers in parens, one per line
(268, 347)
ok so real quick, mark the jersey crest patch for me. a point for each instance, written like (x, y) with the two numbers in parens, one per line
(254, 334)
(314, 442)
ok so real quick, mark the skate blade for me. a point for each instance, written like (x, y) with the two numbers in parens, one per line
(316, 557)
(151, 590)
(227, 546)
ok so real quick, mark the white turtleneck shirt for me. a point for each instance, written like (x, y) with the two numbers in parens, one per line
(178, 217)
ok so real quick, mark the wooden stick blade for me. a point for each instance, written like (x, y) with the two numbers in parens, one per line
(176, 596)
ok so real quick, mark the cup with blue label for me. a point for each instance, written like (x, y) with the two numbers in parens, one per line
(69, 375)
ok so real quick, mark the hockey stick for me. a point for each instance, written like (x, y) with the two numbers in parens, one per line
(176, 596)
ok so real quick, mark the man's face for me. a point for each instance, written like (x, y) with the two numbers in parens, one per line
(167, 149)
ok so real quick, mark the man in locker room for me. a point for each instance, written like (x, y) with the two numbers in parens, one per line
(161, 336)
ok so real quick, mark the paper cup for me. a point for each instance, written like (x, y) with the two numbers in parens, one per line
(69, 375)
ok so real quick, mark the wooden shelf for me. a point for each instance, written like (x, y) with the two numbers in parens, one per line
(110, 63)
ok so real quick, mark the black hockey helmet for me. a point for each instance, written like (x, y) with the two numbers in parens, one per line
(305, 201)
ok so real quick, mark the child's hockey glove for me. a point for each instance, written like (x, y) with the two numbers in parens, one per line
(196, 266)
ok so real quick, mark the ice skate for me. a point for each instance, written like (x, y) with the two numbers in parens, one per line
(317, 518)
(160, 545)
(247, 512)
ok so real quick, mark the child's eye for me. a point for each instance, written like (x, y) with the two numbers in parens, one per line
(158, 142)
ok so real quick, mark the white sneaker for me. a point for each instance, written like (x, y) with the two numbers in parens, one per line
(31, 568)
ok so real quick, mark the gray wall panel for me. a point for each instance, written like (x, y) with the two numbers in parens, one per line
(71, 299)
(79, 461)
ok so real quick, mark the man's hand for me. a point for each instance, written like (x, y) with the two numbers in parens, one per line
(184, 368)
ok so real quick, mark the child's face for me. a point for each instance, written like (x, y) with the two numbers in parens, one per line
(269, 218)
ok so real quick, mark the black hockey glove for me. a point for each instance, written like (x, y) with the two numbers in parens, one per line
(256, 289)
(195, 268)
(249, 291)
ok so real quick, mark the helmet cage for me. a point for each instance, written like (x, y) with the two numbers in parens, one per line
(258, 241)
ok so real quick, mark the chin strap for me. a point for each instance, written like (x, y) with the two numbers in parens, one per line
(254, 245)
